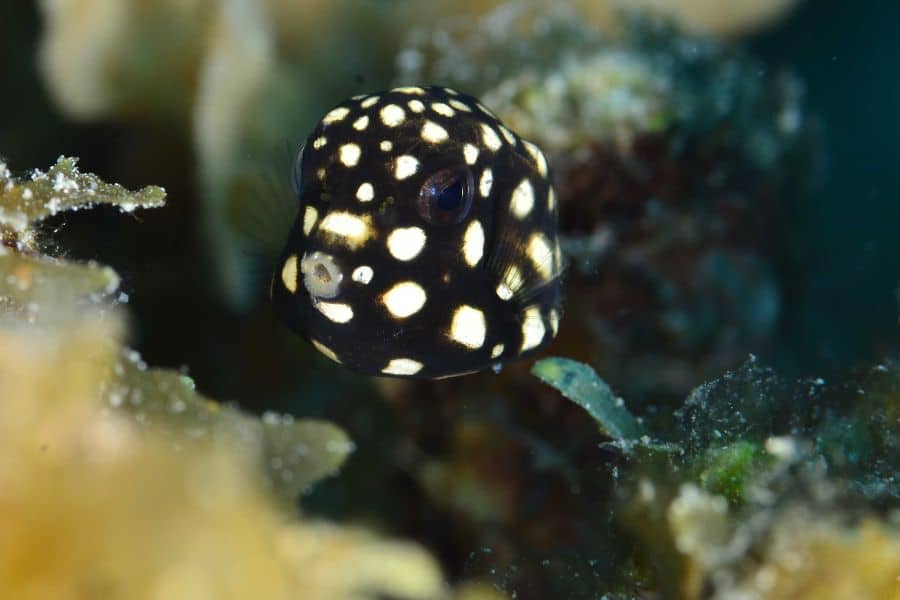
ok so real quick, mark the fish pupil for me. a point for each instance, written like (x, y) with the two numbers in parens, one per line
(451, 196)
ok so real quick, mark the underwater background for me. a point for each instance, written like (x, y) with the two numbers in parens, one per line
(719, 416)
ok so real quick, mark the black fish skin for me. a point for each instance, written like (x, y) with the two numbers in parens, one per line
(426, 240)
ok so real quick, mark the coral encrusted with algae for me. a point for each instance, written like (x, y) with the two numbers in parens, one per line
(121, 481)
(749, 497)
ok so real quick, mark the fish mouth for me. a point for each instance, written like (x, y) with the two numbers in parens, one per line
(322, 275)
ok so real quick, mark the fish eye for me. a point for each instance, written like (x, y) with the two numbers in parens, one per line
(446, 196)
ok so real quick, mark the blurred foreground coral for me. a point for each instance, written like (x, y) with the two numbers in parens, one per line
(119, 481)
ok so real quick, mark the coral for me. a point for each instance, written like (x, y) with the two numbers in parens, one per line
(122, 481)
(815, 558)
(92, 505)
(25, 203)
(787, 552)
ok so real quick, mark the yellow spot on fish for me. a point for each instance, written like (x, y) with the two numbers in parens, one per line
(310, 214)
(410, 89)
(289, 274)
(361, 123)
(533, 329)
(335, 115)
(325, 350)
(347, 229)
(539, 159)
(540, 254)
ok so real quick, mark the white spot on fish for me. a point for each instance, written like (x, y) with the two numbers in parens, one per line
(405, 243)
(346, 228)
(325, 350)
(485, 183)
(404, 299)
(363, 274)
(365, 192)
(405, 166)
(459, 105)
(392, 115)
(470, 152)
(349, 154)
(533, 329)
(522, 200)
(442, 109)
(334, 311)
(473, 243)
(468, 327)
(511, 282)
(539, 159)
(490, 137)
(361, 123)
(310, 214)
(433, 133)
(402, 366)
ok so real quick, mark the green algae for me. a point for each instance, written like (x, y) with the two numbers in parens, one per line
(728, 470)
(580, 384)
(758, 456)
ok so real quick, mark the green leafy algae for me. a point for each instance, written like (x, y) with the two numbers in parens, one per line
(581, 384)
